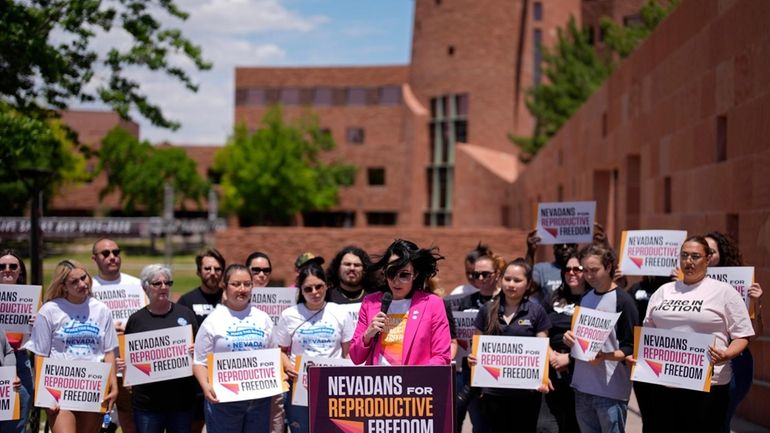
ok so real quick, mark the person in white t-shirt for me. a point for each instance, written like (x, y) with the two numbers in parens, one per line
(233, 326)
(313, 327)
(698, 304)
(73, 325)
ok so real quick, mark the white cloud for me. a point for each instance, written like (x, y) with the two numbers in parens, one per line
(248, 16)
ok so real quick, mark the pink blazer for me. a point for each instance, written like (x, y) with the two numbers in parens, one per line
(426, 338)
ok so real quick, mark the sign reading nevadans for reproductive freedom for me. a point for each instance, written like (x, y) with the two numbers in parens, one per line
(273, 300)
(465, 330)
(566, 222)
(510, 362)
(650, 252)
(238, 376)
(740, 277)
(301, 364)
(154, 356)
(122, 300)
(18, 304)
(71, 385)
(374, 399)
(591, 329)
(10, 405)
(671, 358)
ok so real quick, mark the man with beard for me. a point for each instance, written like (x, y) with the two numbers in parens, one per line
(347, 276)
(203, 299)
(547, 275)
(106, 256)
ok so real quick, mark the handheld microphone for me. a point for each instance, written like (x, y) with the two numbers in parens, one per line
(387, 298)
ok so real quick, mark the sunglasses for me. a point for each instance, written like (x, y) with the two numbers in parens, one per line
(106, 253)
(159, 284)
(574, 269)
(480, 275)
(316, 288)
(402, 277)
(256, 271)
(11, 266)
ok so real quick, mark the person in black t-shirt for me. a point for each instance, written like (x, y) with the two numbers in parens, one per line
(203, 299)
(167, 405)
(347, 276)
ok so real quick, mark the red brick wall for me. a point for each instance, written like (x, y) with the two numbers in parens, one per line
(656, 118)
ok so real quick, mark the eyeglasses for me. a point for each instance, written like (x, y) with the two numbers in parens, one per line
(694, 257)
(483, 275)
(106, 253)
(574, 269)
(11, 266)
(316, 288)
(237, 284)
(159, 284)
(256, 271)
(212, 268)
(402, 277)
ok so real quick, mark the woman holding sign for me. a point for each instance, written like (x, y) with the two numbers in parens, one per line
(233, 326)
(702, 305)
(312, 328)
(166, 405)
(511, 313)
(413, 329)
(73, 325)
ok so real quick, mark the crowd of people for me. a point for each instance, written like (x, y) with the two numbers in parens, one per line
(508, 298)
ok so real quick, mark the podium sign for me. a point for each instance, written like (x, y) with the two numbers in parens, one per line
(407, 399)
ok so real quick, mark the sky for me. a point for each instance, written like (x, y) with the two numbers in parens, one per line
(266, 33)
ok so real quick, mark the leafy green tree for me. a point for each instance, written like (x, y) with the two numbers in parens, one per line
(623, 40)
(29, 142)
(140, 171)
(272, 174)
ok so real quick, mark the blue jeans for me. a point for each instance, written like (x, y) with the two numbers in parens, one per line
(298, 418)
(597, 414)
(24, 371)
(470, 405)
(250, 416)
(157, 422)
(740, 384)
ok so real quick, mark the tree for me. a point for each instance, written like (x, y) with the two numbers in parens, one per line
(140, 171)
(272, 174)
(623, 40)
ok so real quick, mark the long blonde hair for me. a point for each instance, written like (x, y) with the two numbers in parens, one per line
(63, 269)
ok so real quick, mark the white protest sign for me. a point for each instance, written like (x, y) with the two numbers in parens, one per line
(154, 356)
(740, 277)
(566, 222)
(273, 300)
(301, 364)
(10, 405)
(465, 330)
(248, 375)
(670, 358)
(122, 299)
(18, 304)
(510, 362)
(70, 384)
(650, 252)
(591, 329)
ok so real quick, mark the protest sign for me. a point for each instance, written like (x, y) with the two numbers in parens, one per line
(465, 330)
(301, 364)
(650, 252)
(154, 356)
(18, 304)
(740, 277)
(591, 329)
(10, 405)
(122, 299)
(238, 376)
(510, 362)
(273, 300)
(671, 358)
(566, 222)
(71, 384)
(404, 399)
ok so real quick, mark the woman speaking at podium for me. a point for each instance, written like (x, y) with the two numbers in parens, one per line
(403, 324)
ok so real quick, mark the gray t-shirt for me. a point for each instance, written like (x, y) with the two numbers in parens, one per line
(548, 277)
(610, 379)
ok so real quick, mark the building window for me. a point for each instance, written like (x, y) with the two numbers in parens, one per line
(322, 96)
(376, 176)
(633, 21)
(390, 95)
(357, 96)
(721, 150)
(667, 195)
(253, 96)
(589, 30)
(290, 96)
(537, 60)
(354, 135)
(537, 11)
(329, 219)
(450, 50)
(381, 218)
